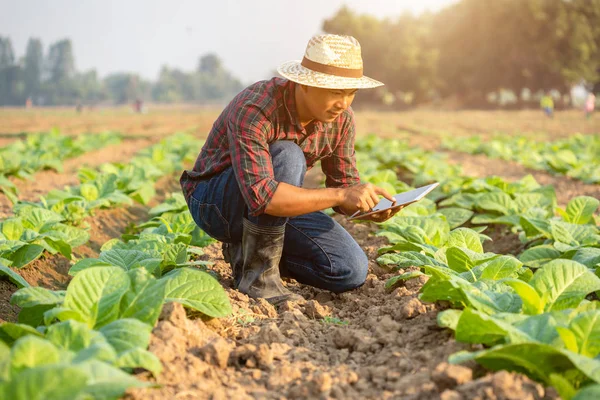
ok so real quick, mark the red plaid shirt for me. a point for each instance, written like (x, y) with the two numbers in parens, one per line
(261, 114)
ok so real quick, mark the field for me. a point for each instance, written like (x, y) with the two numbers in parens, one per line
(430, 293)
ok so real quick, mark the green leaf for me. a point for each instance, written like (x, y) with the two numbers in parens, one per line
(70, 335)
(25, 254)
(580, 210)
(402, 277)
(500, 268)
(532, 302)
(565, 282)
(12, 228)
(127, 334)
(591, 392)
(145, 298)
(106, 381)
(407, 259)
(63, 382)
(456, 216)
(140, 358)
(87, 263)
(537, 256)
(459, 260)
(499, 202)
(448, 318)
(95, 294)
(32, 351)
(10, 332)
(585, 328)
(13, 276)
(126, 259)
(36, 295)
(89, 191)
(465, 237)
(197, 290)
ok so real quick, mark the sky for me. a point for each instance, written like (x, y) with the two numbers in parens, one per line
(251, 37)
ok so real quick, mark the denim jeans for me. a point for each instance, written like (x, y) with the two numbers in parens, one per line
(317, 250)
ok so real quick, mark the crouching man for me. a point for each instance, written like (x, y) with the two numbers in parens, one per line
(245, 189)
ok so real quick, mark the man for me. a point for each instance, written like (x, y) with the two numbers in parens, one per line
(246, 186)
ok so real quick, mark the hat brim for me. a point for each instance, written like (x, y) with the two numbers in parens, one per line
(296, 72)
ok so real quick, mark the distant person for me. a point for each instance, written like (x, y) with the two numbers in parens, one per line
(78, 107)
(245, 189)
(547, 105)
(590, 105)
(138, 106)
(28, 103)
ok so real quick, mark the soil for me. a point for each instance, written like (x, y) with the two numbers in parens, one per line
(369, 343)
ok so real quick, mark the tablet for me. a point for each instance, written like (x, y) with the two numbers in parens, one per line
(402, 199)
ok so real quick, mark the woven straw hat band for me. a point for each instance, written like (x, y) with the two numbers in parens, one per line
(331, 70)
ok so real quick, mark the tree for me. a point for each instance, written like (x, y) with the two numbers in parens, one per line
(33, 64)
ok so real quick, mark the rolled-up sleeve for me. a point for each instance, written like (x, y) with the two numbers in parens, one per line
(248, 133)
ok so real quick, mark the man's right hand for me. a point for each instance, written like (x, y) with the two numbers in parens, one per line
(362, 197)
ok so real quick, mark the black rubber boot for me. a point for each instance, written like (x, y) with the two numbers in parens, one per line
(232, 253)
(262, 247)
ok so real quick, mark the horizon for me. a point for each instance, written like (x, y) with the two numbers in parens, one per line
(128, 48)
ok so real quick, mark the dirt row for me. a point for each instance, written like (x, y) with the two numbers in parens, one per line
(51, 271)
(44, 181)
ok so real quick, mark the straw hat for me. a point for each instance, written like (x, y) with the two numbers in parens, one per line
(330, 62)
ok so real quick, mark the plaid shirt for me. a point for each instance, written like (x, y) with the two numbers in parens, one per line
(261, 114)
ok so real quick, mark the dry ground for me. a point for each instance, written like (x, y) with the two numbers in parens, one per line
(368, 343)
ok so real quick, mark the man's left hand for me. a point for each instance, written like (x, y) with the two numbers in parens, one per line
(382, 216)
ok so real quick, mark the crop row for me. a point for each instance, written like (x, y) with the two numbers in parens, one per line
(82, 342)
(532, 311)
(576, 156)
(55, 224)
(45, 151)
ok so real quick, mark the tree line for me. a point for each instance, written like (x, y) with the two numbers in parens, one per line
(475, 48)
(52, 79)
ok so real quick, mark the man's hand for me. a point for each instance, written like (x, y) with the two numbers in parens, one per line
(362, 197)
(382, 216)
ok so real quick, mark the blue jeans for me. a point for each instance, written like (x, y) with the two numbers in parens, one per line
(317, 250)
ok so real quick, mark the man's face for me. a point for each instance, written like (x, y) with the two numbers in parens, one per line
(326, 105)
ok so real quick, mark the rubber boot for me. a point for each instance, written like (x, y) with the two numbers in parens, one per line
(262, 247)
(232, 254)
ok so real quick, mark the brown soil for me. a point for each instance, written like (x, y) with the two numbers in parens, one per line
(44, 181)
(365, 344)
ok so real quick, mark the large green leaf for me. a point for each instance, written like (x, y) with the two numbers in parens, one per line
(500, 268)
(456, 216)
(580, 210)
(36, 295)
(10, 332)
(13, 276)
(106, 381)
(96, 293)
(585, 329)
(70, 335)
(24, 255)
(464, 237)
(537, 256)
(140, 358)
(127, 334)
(63, 382)
(565, 283)
(145, 298)
(197, 290)
(126, 259)
(32, 351)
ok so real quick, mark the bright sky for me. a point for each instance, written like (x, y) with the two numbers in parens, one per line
(251, 37)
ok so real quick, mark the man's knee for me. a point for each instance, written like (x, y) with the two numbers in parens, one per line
(351, 270)
(289, 163)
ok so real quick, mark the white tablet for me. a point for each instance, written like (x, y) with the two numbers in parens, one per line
(402, 200)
